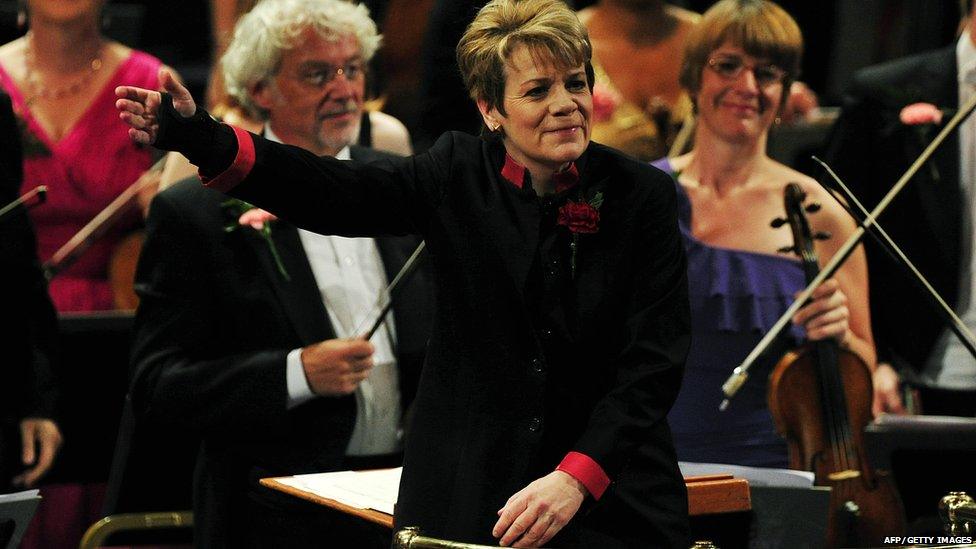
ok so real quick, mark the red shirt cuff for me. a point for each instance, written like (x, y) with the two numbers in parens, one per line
(588, 472)
(243, 164)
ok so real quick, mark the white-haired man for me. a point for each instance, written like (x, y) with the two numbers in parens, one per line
(246, 336)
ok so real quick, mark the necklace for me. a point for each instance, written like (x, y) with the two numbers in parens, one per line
(40, 91)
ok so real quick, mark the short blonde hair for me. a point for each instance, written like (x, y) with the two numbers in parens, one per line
(760, 27)
(274, 26)
(548, 27)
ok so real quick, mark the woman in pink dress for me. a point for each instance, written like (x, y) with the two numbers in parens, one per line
(61, 77)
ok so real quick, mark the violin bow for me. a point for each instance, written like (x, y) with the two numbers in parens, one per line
(887, 244)
(78, 244)
(741, 372)
(39, 191)
(385, 301)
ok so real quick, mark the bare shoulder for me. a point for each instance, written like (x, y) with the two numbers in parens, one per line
(12, 57)
(679, 163)
(832, 215)
(389, 134)
(686, 18)
(585, 14)
(116, 53)
(8, 49)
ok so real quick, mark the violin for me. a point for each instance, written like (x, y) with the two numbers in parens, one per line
(820, 399)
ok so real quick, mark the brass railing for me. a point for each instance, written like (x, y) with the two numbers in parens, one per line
(410, 538)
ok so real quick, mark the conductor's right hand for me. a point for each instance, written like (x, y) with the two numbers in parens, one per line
(139, 107)
(336, 367)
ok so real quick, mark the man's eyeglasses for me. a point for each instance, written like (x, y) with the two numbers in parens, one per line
(321, 76)
(731, 66)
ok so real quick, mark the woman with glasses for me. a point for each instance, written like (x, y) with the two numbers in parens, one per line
(738, 67)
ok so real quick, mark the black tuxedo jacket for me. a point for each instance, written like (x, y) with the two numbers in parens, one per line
(503, 396)
(29, 341)
(870, 149)
(214, 325)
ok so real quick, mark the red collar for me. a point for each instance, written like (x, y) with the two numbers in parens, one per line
(514, 173)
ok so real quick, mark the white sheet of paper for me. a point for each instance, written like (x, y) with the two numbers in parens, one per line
(377, 489)
(19, 496)
(757, 476)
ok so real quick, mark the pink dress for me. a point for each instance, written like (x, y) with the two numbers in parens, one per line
(92, 164)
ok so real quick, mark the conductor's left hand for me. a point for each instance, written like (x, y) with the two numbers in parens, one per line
(40, 441)
(139, 107)
(539, 511)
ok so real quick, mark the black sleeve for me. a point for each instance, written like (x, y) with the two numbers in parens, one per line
(655, 341)
(30, 340)
(207, 143)
(394, 197)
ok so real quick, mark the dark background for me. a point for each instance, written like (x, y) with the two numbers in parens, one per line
(841, 35)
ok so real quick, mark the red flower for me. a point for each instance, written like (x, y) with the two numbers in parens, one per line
(920, 113)
(579, 217)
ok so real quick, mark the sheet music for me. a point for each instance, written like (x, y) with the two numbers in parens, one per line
(377, 489)
(757, 476)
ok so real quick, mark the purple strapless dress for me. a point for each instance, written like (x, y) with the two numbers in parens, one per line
(736, 296)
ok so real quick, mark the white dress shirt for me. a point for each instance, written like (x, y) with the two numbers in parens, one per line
(350, 276)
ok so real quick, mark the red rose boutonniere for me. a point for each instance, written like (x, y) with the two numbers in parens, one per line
(920, 113)
(256, 218)
(580, 218)
(245, 215)
(923, 116)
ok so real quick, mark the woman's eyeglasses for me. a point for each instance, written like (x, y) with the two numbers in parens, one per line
(731, 66)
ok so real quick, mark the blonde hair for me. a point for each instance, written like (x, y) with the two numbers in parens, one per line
(760, 27)
(274, 26)
(548, 28)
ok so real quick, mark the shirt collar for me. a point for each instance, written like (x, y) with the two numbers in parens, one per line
(966, 58)
(270, 135)
(514, 173)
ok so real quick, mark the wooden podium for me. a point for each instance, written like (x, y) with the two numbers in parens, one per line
(707, 495)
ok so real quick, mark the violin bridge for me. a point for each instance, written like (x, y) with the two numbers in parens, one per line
(844, 475)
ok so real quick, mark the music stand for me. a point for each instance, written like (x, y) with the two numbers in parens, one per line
(16, 511)
(787, 509)
(928, 456)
